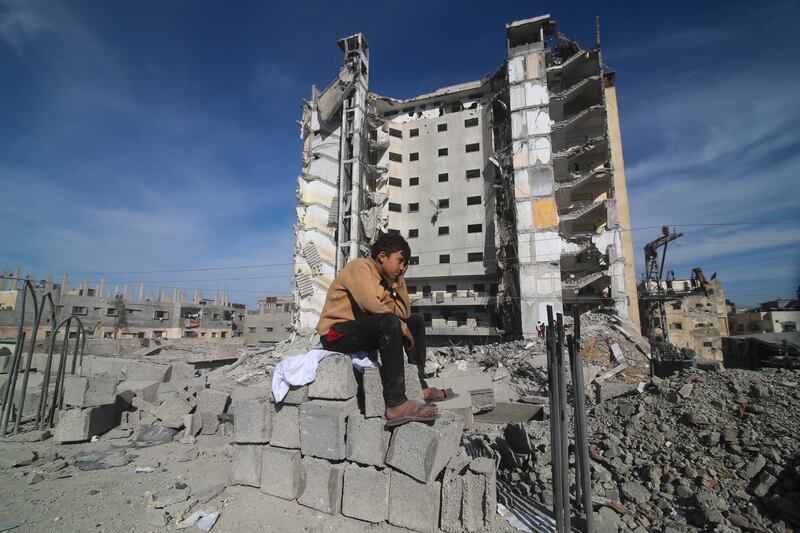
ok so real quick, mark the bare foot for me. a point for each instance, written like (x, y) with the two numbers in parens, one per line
(410, 408)
(432, 393)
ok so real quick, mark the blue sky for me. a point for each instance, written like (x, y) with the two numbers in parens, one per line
(156, 136)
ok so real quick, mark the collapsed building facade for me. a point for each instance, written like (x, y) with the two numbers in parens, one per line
(510, 189)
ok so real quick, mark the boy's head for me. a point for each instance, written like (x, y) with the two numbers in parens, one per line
(392, 254)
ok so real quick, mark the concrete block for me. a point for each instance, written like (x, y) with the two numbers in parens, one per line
(192, 385)
(192, 424)
(365, 494)
(367, 440)
(79, 425)
(482, 400)
(463, 384)
(374, 404)
(89, 391)
(253, 421)
(210, 423)
(296, 395)
(452, 495)
(323, 426)
(323, 485)
(281, 472)
(472, 501)
(285, 426)
(335, 379)
(144, 390)
(413, 505)
(172, 411)
(464, 412)
(181, 370)
(246, 465)
(504, 413)
(241, 393)
(140, 371)
(485, 467)
(422, 450)
(212, 401)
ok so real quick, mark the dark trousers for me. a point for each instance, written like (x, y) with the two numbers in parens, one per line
(382, 332)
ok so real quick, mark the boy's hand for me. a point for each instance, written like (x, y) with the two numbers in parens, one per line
(410, 338)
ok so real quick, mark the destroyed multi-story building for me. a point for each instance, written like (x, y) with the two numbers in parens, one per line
(510, 189)
(775, 316)
(271, 322)
(116, 313)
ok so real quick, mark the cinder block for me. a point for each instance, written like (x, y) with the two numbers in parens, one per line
(482, 400)
(374, 404)
(412, 504)
(486, 468)
(90, 391)
(172, 411)
(285, 426)
(335, 379)
(79, 425)
(421, 450)
(210, 423)
(246, 465)
(452, 495)
(241, 393)
(365, 494)
(144, 390)
(323, 485)
(181, 370)
(253, 421)
(212, 401)
(472, 502)
(281, 472)
(367, 440)
(296, 395)
(323, 426)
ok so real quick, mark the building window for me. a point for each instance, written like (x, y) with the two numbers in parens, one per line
(442, 152)
(473, 173)
(479, 287)
(414, 156)
(112, 311)
(393, 231)
(456, 107)
(493, 289)
(414, 260)
(414, 132)
(444, 203)
(676, 325)
(470, 122)
(707, 344)
(444, 230)
(474, 257)
(412, 289)
(158, 334)
(474, 228)
(395, 182)
(394, 207)
(395, 157)
(444, 258)
(451, 288)
(395, 133)
(474, 147)
(106, 334)
(213, 334)
(426, 291)
(413, 208)
(789, 326)
(269, 330)
(473, 200)
(428, 318)
(251, 330)
(215, 316)
(413, 181)
(676, 305)
(161, 315)
(413, 233)
(443, 177)
(441, 127)
(79, 310)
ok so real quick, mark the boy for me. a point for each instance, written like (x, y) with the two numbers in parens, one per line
(367, 308)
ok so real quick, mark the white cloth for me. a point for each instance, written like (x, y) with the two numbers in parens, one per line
(301, 369)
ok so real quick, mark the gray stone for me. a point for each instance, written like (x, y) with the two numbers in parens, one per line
(422, 450)
(452, 495)
(753, 467)
(281, 472)
(246, 465)
(374, 405)
(761, 485)
(155, 517)
(193, 424)
(296, 395)
(212, 401)
(286, 426)
(323, 485)
(79, 425)
(210, 423)
(367, 440)
(482, 400)
(413, 505)
(485, 467)
(90, 391)
(145, 390)
(323, 427)
(365, 493)
(635, 492)
(172, 411)
(253, 421)
(472, 502)
(335, 379)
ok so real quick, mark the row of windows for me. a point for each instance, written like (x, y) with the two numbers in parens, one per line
(444, 259)
(468, 123)
(441, 152)
(397, 182)
(443, 203)
(477, 287)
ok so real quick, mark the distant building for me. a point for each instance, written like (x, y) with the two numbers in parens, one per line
(117, 314)
(776, 316)
(271, 322)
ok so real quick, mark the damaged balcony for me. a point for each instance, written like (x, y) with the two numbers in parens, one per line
(575, 283)
(577, 210)
(584, 94)
(580, 119)
(577, 179)
(583, 64)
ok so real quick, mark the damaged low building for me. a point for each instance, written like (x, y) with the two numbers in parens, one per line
(510, 189)
(270, 323)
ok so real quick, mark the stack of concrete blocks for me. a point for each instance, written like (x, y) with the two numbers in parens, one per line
(89, 408)
(318, 448)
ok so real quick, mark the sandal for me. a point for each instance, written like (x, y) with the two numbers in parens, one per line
(412, 414)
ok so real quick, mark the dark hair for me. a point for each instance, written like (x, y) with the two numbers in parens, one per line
(390, 243)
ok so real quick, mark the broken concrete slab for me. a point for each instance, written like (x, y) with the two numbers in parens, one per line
(80, 425)
(365, 493)
(323, 427)
(144, 390)
(89, 391)
(414, 505)
(210, 423)
(172, 411)
(323, 485)
(281, 472)
(335, 379)
(504, 413)
(422, 450)
(482, 400)
(212, 401)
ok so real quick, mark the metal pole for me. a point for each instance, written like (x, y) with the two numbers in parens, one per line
(564, 418)
(62, 363)
(8, 403)
(582, 434)
(555, 420)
